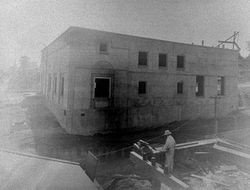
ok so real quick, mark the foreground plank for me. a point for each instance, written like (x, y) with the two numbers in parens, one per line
(158, 172)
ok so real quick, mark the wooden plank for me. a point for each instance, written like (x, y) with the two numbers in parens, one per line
(202, 152)
(234, 144)
(192, 144)
(246, 174)
(38, 157)
(91, 165)
(195, 143)
(231, 151)
(184, 185)
(208, 179)
(158, 172)
(38, 173)
(99, 187)
(180, 146)
(172, 177)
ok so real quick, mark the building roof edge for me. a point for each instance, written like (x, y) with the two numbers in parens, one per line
(133, 36)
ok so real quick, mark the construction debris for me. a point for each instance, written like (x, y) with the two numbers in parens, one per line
(199, 166)
(228, 179)
(208, 179)
(202, 168)
(128, 182)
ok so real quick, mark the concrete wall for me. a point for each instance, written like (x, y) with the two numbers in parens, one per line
(244, 69)
(56, 63)
(161, 104)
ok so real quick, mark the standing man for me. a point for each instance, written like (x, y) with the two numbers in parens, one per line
(169, 148)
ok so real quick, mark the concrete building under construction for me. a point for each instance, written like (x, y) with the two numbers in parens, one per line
(96, 81)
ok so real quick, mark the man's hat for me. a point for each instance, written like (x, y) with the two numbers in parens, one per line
(167, 132)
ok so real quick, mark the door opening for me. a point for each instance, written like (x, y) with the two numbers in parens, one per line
(102, 87)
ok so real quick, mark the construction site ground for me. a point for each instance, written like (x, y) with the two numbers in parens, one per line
(205, 168)
(28, 126)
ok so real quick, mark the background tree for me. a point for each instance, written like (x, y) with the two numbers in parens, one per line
(26, 76)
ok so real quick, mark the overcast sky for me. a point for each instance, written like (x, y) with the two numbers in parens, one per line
(26, 26)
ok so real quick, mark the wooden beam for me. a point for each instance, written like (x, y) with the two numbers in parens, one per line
(231, 151)
(226, 42)
(192, 144)
(234, 43)
(235, 33)
(195, 143)
(158, 172)
(208, 179)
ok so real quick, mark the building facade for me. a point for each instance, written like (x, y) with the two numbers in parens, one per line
(95, 81)
(244, 69)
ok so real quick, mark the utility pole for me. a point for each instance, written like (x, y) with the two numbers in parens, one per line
(215, 114)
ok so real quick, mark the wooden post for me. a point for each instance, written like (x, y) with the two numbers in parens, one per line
(215, 115)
